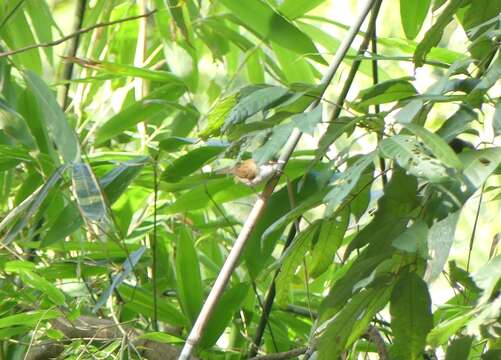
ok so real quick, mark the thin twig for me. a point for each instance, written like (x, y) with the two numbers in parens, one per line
(260, 205)
(474, 230)
(375, 81)
(377, 339)
(356, 63)
(77, 33)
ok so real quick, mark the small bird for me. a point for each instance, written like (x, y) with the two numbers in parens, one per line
(250, 173)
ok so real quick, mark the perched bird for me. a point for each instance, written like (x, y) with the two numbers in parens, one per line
(250, 173)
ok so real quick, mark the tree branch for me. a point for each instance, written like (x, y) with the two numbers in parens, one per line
(256, 212)
(75, 34)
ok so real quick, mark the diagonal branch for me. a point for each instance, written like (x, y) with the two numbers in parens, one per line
(234, 256)
(75, 34)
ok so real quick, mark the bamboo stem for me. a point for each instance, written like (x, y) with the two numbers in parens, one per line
(256, 212)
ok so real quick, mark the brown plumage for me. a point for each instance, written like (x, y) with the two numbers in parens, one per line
(247, 169)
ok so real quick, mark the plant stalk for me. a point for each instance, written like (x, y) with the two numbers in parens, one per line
(256, 212)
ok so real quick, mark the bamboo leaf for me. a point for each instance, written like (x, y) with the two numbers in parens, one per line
(260, 18)
(60, 131)
(188, 277)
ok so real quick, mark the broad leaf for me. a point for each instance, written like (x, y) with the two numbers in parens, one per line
(385, 92)
(412, 15)
(411, 319)
(434, 34)
(413, 157)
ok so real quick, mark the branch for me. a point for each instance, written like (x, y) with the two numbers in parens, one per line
(256, 212)
(374, 336)
(72, 52)
(75, 34)
(283, 355)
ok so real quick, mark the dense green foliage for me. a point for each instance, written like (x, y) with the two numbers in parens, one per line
(113, 209)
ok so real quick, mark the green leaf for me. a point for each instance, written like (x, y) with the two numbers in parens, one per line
(413, 240)
(294, 69)
(224, 311)
(290, 260)
(268, 229)
(188, 277)
(345, 327)
(344, 184)
(394, 209)
(34, 205)
(412, 15)
(115, 182)
(330, 238)
(159, 102)
(255, 68)
(382, 93)
(140, 301)
(30, 318)
(176, 9)
(191, 162)
(60, 131)
(434, 34)
(43, 24)
(496, 121)
(411, 318)
(55, 295)
(487, 278)
(17, 33)
(127, 70)
(293, 9)
(127, 268)
(479, 165)
(457, 123)
(217, 116)
(440, 238)
(162, 338)
(14, 125)
(442, 333)
(411, 155)
(88, 194)
(490, 78)
(258, 100)
(261, 19)
(459, 348)
(305, 122)
(437, 145)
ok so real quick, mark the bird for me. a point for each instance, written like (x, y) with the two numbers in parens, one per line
(250, 173)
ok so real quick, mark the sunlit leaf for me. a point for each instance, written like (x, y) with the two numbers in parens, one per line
(412, 15)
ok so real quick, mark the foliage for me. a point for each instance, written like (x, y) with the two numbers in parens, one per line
(116, 205)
